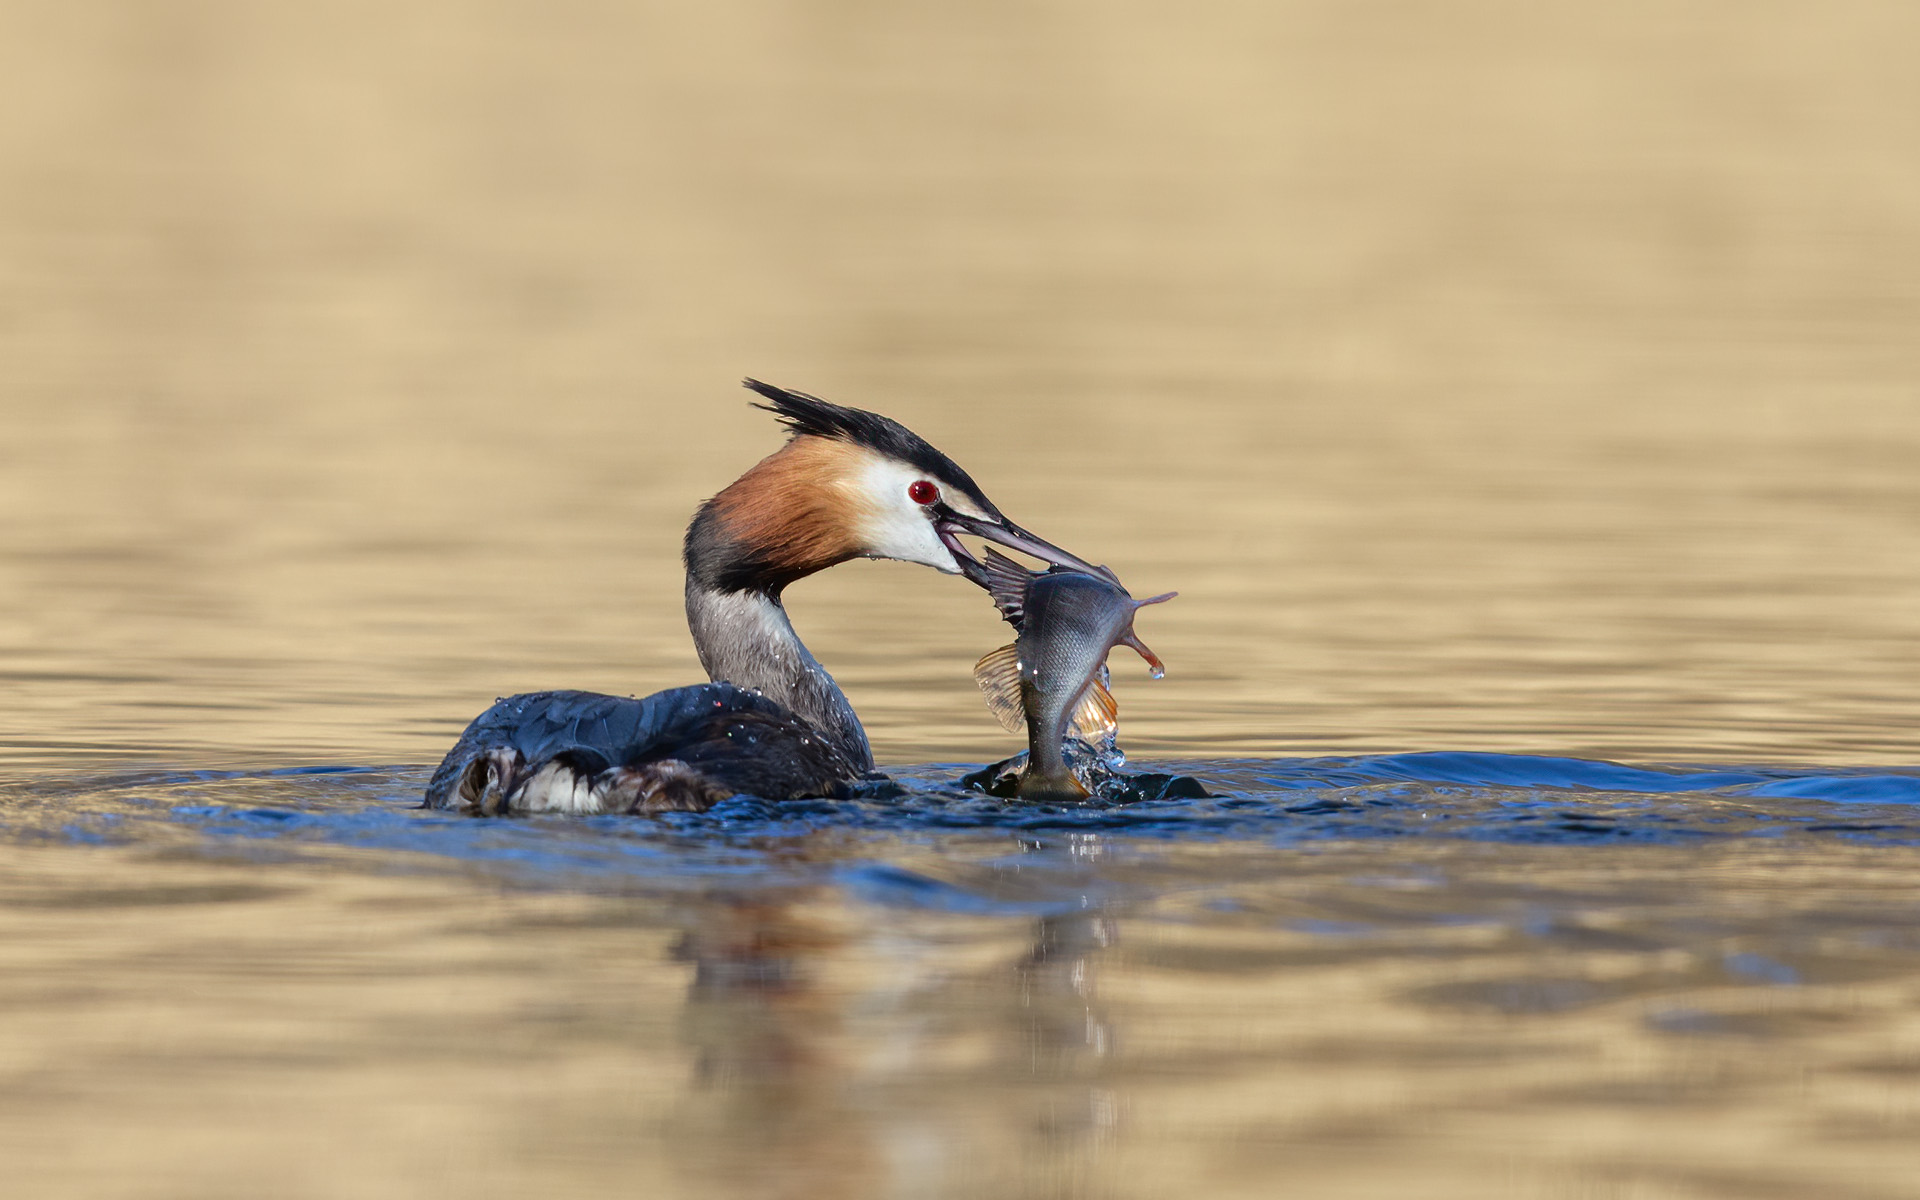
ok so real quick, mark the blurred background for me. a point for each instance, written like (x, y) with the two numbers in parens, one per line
(1519, 377)
(1485, 376)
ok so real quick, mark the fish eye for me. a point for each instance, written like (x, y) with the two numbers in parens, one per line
(922, 492)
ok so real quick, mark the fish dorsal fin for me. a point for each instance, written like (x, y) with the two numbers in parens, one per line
(1097, 714)
(998, 675)
(1007, 583)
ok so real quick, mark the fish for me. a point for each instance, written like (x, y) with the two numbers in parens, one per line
(1052, 680)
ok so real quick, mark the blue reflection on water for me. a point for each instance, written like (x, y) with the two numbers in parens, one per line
(1762, 969)
(1267, 802)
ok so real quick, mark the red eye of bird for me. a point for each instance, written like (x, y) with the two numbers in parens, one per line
(922, 492)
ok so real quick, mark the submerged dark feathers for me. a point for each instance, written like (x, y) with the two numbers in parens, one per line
(737, 741)
(810, 416)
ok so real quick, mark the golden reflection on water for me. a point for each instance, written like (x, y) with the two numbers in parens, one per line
(1482, 380)
(1534, 379)
(1477, 1021)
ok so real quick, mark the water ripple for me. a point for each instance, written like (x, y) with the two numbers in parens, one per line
(1272, 802)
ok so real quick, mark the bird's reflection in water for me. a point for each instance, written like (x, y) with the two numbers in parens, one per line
(1068, 1035)
(771, 1111)
(876, 1052)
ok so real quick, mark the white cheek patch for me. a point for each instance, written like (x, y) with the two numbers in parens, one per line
(888, 522)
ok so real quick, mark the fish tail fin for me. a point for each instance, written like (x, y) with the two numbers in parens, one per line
(1155, 667)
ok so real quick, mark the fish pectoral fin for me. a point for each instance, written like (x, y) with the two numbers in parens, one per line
(998, 675)
(1097, 714)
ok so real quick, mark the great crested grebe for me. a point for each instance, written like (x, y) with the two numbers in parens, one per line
(848, 484)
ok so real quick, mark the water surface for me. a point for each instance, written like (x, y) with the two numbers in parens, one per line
(1514, 975)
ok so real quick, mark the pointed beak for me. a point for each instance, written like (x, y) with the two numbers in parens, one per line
(950, 524)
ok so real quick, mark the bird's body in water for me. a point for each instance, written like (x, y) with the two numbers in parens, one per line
(772, 723)
(1053, 678)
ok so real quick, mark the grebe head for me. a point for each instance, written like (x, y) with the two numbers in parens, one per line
(848, 484)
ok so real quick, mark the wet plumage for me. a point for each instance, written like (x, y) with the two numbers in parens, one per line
(681, 749)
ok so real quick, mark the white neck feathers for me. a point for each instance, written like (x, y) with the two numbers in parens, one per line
(744, 638)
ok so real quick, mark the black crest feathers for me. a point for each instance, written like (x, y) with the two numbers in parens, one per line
(810, 416)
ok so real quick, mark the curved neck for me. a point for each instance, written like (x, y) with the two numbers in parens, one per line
(744, 638)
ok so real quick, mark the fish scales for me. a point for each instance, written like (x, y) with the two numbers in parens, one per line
(1051, 677)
